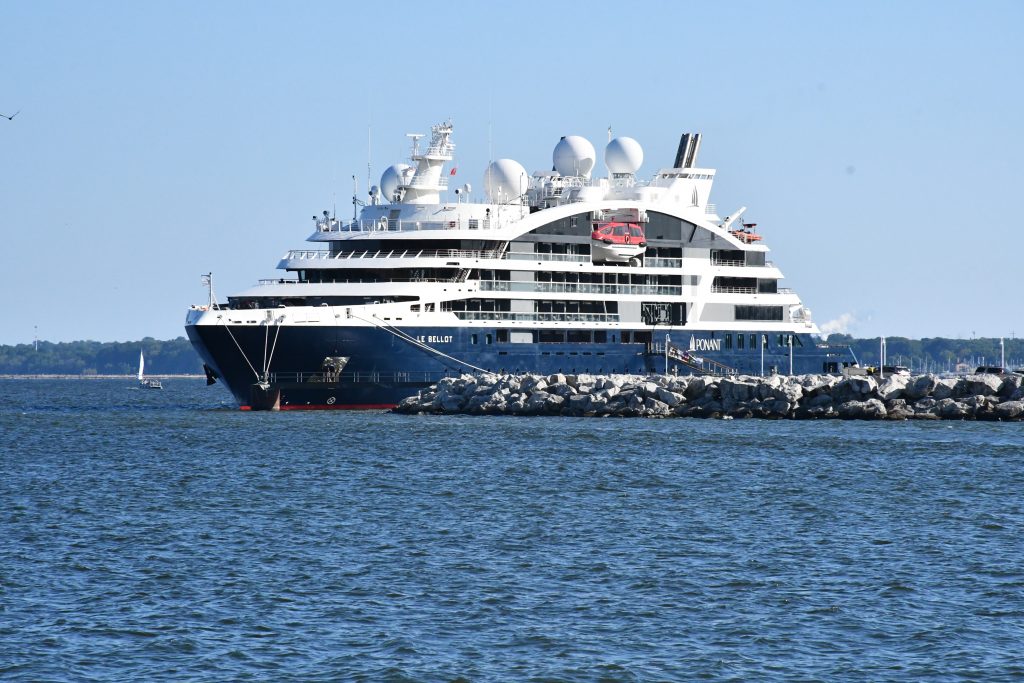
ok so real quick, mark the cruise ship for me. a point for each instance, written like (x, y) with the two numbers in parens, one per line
(554, 271)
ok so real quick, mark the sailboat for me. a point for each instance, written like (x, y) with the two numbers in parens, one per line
(143, 382)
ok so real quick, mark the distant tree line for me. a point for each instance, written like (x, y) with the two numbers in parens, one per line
(177, 357)
(172, 357)
(936, 354)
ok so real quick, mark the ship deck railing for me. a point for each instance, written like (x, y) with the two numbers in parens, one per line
(690, 360)
(327, 255)
(740, 263)
(496, 316)
(578, 288)
(398, 225)
(271, 281)
(720, 289)
(323, 254)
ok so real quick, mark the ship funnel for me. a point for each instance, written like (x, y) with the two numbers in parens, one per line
(689, 146)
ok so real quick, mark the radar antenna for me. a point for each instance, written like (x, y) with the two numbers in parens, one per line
(356, 201)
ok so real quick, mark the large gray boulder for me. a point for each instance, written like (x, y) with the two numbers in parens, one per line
(944, 388)
(557, 378)
(1010, 385)
(789, 392)
(920, 387)
(695, 388)
(737, 389)
(775, 408)
(892, 387)
(453, 403)
(973, 385)
(950, 409)
(553, 404)
(872, 409)
(655, 408)
(818, 401)
(667, 397)
(857, 389)
(579, 403)
(897, 409)
(1010, 410)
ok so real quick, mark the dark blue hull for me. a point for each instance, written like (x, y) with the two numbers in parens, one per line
(384, 368)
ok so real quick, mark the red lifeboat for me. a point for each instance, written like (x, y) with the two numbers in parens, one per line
(617, 242)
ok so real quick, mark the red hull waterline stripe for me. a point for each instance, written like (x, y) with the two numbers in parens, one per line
(355, 406)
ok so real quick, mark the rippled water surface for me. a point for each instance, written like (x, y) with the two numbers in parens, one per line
(165, 535)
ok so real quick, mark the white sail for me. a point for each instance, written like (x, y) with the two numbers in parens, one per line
(142, 365)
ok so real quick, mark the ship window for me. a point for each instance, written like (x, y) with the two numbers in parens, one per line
(753, 341)
(620, 230)
(728, 341)
(600, 337)
(759, 313)
(579, 336)
(636, 231)
(488, 339)
(502, 336)
(472, 339)
(739, 341)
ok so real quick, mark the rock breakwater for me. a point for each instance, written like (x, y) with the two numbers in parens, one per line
(899, 397)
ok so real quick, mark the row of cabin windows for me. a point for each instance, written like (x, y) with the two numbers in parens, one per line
(751, 341)
(540, 306)
(564, 337)
(561, 248)
(767, 313)
(585, 278)
(609, 278)
(329, 275)
(749, 258)
(761, 286)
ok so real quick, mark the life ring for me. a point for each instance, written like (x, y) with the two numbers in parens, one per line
(330, 401)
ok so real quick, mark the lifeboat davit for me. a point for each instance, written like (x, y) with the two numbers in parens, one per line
(617, 242)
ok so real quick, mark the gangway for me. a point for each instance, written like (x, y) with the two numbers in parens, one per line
(696, 364)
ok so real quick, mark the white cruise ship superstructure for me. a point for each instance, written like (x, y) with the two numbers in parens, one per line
(553, 271)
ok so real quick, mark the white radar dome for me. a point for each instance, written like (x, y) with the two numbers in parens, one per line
(574, 156)
(623, 155)
(505, 181)
(392, 177)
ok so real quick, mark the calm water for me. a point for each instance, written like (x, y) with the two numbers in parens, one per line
(164, 535)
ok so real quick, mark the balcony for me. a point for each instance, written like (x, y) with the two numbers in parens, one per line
(579, 288)
(719, 289)
(493, 316)
(324, 255)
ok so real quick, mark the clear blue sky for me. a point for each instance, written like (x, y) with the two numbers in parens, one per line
(878, 145)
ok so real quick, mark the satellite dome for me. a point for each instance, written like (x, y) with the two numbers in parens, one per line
(505, 181)
(392, 177)
(623, 155)
(574, 156)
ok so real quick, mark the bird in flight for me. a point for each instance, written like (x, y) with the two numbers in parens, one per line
(11, 117)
